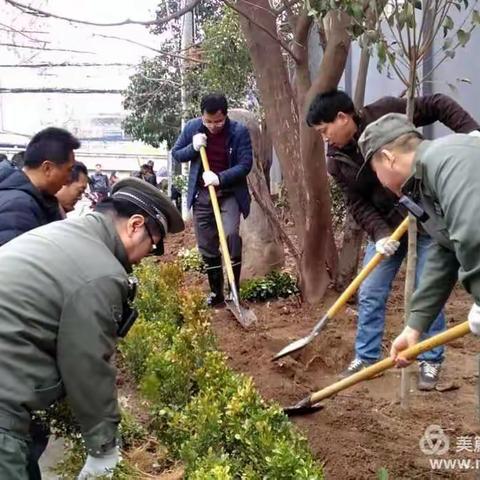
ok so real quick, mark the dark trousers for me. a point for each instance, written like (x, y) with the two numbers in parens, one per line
(39, 433)
(206, 228)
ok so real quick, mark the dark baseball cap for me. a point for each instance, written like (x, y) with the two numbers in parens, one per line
(153, 202)
(383, 131)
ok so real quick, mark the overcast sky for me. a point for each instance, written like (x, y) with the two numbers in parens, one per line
(27, 113)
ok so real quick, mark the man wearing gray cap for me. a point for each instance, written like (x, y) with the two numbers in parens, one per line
(61, 313)
(439, 180)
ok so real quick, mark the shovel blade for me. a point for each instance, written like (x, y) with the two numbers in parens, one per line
(304, 407)
(294, 346)
(244, 316)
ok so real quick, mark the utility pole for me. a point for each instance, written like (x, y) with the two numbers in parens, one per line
(187, 42)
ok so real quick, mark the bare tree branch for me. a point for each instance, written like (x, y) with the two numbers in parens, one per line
(64, 64)
(10, 29)
(160, 52)
(60, 90)
(275, 222)
(159, 21)
(31, 47)
(261, 27)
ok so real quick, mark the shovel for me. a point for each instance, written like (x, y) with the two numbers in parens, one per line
(244, 316)
(311, 403)
(343, 299)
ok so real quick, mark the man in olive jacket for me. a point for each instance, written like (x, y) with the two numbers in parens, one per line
(376, 211)
(61, 310)
(443, 176)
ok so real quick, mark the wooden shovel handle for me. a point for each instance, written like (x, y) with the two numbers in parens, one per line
(364, 273)
(379, 367)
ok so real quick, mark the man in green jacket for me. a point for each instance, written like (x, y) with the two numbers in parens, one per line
(62, 308)
(439, 180)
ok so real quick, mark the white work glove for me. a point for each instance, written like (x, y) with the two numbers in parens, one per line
(210, 178)
(475, 133)
(97, 466)
(474, 319)
(386, 246)
(199, 140)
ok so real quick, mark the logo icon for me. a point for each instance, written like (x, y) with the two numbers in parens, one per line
(434, 441)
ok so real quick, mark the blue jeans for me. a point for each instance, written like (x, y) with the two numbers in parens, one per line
(372, 300)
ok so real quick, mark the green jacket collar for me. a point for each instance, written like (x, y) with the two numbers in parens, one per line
(416, 175)
(108, 234)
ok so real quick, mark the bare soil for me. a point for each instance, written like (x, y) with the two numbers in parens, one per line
(364, 428)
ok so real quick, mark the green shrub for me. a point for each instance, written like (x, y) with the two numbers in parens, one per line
(131, 432)
(206, 416)
(180, 182)
(215, 467)
(157, 297)
(191, 260)
(144, 338)
(273, 285)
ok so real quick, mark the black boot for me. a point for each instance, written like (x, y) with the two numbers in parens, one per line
(215, 279)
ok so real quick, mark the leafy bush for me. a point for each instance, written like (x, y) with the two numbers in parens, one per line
(273, 285)
(191, 260)
(180, 182)
(209, 417)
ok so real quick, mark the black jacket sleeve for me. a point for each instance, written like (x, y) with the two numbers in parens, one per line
(18, 214)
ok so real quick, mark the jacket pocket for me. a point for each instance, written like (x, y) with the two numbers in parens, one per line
(43, 397)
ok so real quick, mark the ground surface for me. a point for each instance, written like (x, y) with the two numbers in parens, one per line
(364, 428)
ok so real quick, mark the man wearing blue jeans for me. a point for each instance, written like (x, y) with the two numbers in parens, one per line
(376, 210)
(372, 301)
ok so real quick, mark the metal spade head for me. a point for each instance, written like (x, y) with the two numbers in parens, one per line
(244, 316)
(302, 342)
(303, 407)
(294, 346)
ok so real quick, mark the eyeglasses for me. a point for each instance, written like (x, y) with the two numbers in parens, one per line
(157, 247)
(154, 243)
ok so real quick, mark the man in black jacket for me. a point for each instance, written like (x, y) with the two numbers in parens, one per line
(27, 196)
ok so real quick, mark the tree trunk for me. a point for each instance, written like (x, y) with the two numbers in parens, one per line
(299, 148)
(267, 151)
(349, 257)
(281, 114)
(318, 221)
(412, 250)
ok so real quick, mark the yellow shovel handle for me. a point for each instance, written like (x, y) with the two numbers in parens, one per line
(364, 273)
(379, 367)
(221, 231)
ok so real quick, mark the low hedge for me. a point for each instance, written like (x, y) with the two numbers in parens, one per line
(209, 417)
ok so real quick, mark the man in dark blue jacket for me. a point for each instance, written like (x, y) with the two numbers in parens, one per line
(229, 152)
(27, 196)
